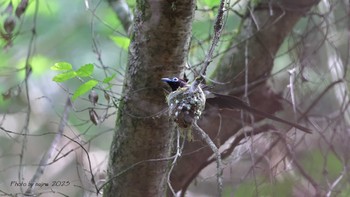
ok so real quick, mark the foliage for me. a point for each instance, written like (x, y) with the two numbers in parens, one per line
(122, 42)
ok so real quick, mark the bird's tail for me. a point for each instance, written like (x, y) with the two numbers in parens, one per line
(234, 103)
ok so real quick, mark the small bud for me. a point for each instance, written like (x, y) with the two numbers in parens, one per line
(9, 24)
(6, 95)
(93, 117)
(93, 97)
(107, 97)
(21, 8)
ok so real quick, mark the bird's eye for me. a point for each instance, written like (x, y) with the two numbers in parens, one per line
(175, 79)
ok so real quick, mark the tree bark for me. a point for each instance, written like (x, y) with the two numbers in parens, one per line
(265, 36)
(142, 143)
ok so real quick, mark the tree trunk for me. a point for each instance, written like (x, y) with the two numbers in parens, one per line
(143, 139)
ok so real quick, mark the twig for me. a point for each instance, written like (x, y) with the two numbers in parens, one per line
(176, 156)
(217, 33)
(28, 71)
(44, 160)
(213, 147)
(291, 87)
(123, 12)
(335, 183)
(226, 153)
(298, 166)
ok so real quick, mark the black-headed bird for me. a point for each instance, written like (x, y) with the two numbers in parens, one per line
(187, 102)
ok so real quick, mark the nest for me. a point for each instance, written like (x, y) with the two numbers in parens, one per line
(186, 105)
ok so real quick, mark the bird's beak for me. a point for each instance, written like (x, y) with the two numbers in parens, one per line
(166, 79)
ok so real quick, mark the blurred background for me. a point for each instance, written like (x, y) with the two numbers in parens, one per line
(33, 104)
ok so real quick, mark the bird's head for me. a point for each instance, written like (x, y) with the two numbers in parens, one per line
(175, 82)
(186, 104)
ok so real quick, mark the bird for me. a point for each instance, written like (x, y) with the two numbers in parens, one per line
(178, 86)
(186, 102)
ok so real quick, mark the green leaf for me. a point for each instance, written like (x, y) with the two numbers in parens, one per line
(109, 79)
(84, 88)
(39, 64)
(64, 76)
(62, 66)
(85, 71)
(122, 42)
(211, 3)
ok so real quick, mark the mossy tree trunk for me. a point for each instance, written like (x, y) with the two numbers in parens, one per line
(143, 139)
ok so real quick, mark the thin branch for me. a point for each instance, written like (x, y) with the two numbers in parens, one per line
(296, 163)
(213, 147)
(335, 183)
(226, 153)
(45, 159)
(131, 167)
(28, 71)
(176, 157)
(123, 12)
(291, 87)
(217, 33)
